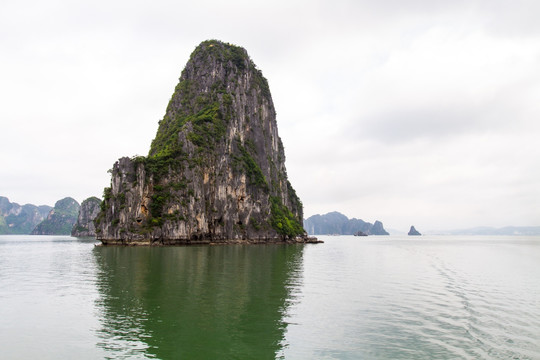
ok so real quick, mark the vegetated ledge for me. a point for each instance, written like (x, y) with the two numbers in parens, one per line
(192, 242)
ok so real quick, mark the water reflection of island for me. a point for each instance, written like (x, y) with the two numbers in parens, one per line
(196, 302)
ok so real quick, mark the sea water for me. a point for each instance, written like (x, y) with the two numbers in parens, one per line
(376, 297)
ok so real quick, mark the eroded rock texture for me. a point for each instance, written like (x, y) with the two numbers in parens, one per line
(87, 214)
(215, 171)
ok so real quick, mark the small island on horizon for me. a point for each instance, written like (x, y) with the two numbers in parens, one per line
(413, 231)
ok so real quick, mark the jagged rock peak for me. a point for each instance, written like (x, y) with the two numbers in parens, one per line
(216, 83)
(215, 171)
(85, 221)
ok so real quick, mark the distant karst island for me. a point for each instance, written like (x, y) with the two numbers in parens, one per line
(60, 219)
(335, 223)
(413, 232)
(215, 172)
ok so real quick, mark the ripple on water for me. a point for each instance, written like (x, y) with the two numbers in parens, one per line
(417, 299)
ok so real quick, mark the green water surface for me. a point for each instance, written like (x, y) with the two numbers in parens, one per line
(207, 302)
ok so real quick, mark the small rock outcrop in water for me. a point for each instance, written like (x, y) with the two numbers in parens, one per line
(360, 233)
(413, 232)
(85, 221)
(215, 171)
(60, 219)
(17, 219)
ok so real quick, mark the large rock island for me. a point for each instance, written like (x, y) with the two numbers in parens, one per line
(215, 171)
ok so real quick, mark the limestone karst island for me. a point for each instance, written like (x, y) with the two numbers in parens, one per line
(215, 172)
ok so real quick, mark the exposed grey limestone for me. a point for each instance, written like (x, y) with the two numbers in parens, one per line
(85, 221)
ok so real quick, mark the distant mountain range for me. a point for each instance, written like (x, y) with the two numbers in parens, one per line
(17, 219)
(337, 223)
(38, 220)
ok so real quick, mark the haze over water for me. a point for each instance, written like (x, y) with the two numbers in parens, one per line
(349, 298)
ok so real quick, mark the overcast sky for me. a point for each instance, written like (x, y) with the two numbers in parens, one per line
(409, 112)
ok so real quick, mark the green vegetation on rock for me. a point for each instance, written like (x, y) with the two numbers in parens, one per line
(283, 220)
(250, 167)
(60, 220)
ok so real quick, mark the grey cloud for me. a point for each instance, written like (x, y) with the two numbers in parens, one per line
(407, 125)
(506, 110)
(511, 18)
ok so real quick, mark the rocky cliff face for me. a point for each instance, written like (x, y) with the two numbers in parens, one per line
(17, 219)
(87, 214)
(60, 219)
(216, 168)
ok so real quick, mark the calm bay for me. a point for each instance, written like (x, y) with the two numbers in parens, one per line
(388, 297)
